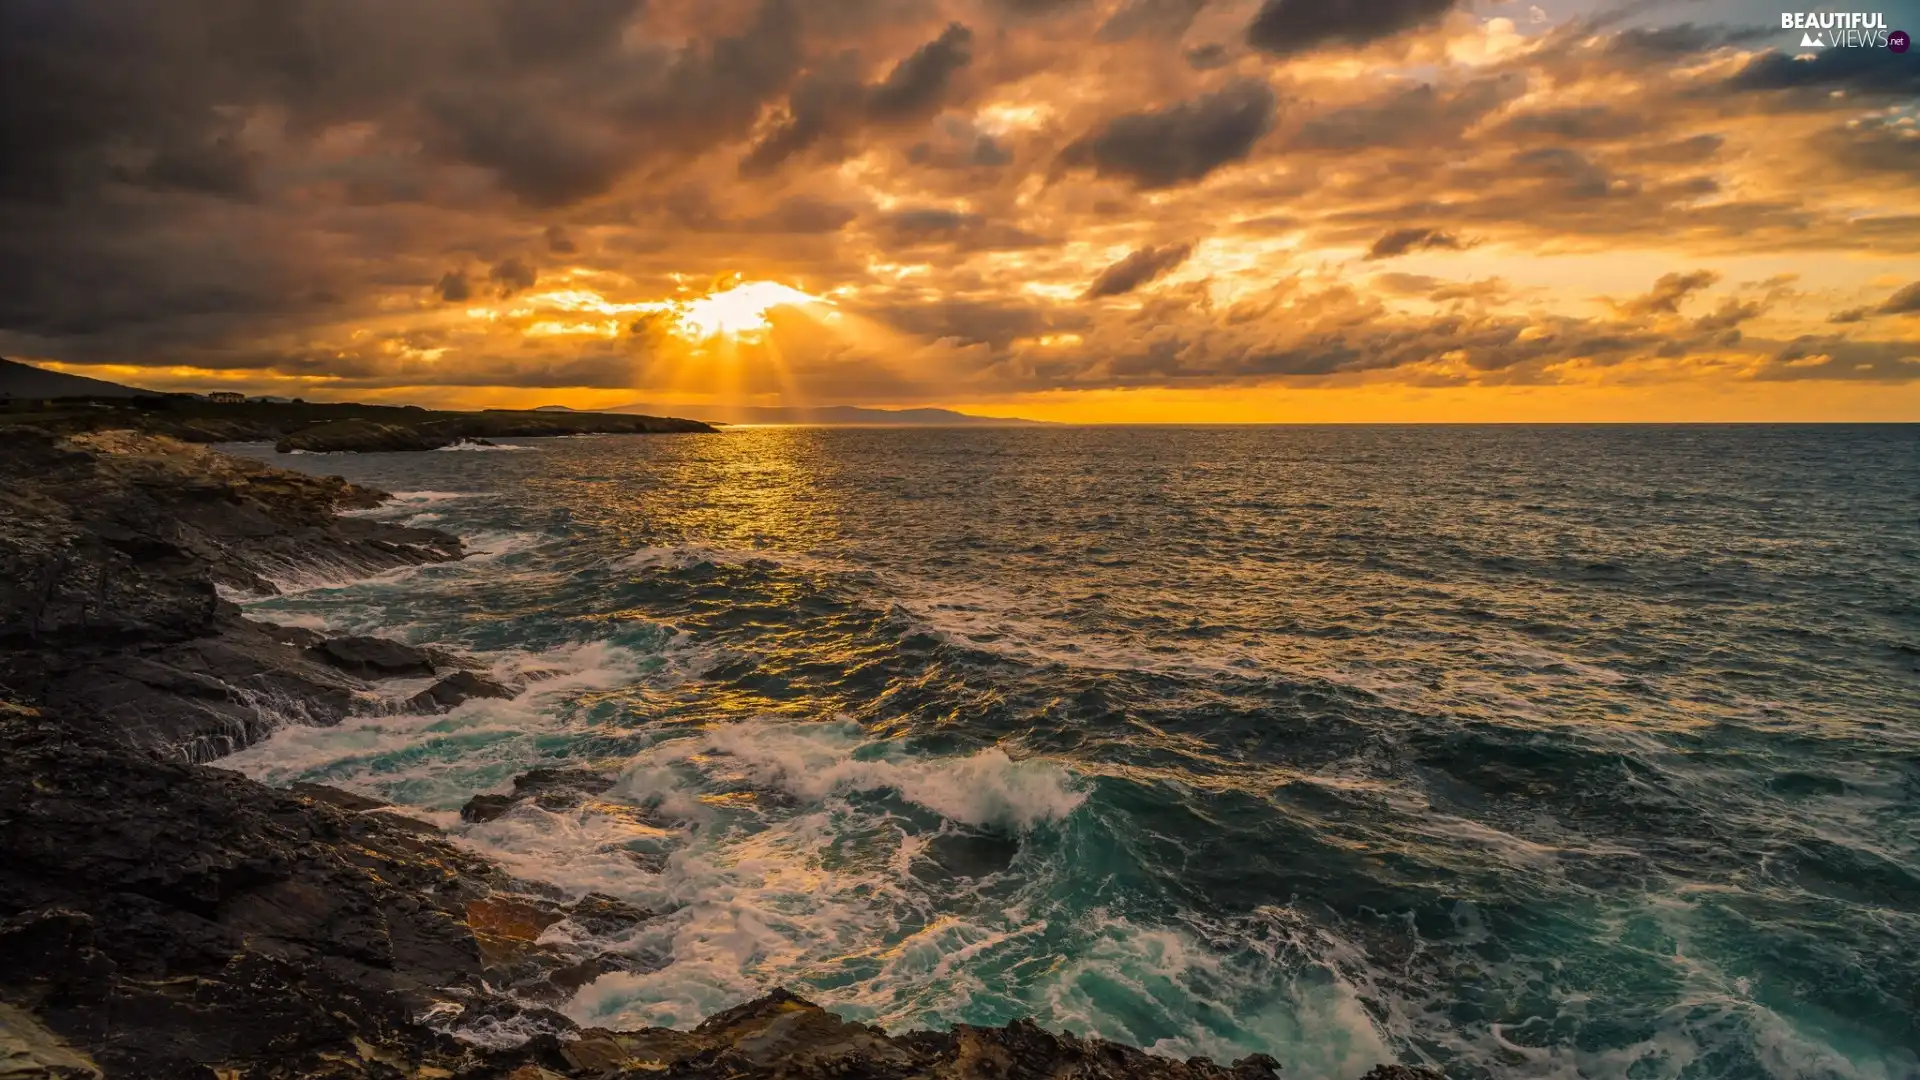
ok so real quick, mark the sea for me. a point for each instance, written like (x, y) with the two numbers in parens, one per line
(1519, 751)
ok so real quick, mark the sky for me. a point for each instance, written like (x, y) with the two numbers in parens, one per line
(1077, 210)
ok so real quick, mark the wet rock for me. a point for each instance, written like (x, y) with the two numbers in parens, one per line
(29, 1051)
(606, 916)
(372, 657)
(455, 689)
(549, 789)
(484, 808)
(966, 855)
(507, 928)
(333, 796)
(1404, 1072)
(408, 824)
(113, 550)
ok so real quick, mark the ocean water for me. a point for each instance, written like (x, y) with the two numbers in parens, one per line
(1522, 751)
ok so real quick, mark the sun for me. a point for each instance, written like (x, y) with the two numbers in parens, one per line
(736, 312)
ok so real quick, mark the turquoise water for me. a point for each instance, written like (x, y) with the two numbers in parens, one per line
(1524, 751)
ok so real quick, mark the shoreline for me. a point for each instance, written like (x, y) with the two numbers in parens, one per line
(160, 917)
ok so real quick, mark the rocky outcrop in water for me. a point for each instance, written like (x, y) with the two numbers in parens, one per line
(163, 919)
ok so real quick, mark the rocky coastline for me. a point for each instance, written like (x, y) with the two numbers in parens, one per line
(161, 917)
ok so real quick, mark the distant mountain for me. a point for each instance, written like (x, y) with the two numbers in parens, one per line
(19, 380)
(833, 415)
(551, 408)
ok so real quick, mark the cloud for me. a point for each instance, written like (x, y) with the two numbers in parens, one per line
(512, 276)
(1669, 293)
(1402, 241)
(833, 104)
(1865, 72)
(1178, 144)
(917, 86)
(1904, 302)
(454, 288)
(1137, 269)
(1422, 115)
(318, 192)
(1285, 27)
(1163, 19)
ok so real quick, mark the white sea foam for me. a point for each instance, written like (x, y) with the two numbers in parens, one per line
(483, 447)
(814, 761)
(405, 503)
(430, 760)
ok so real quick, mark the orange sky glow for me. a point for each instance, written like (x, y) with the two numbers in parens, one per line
(1134, 211)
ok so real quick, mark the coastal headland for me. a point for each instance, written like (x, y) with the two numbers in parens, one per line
(314, 427)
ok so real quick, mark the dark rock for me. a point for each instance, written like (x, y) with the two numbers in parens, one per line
(333, 796)
(28, 1051)
(372, 657)
(361, 436)
(559, 788)
(966, 855)
(549, 789)
(604, 916)
(484, 808)
(1404, 1072)
(113, 547)
(461, 686)
(408, 824)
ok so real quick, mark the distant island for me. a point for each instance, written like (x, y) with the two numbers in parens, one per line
(833, 415)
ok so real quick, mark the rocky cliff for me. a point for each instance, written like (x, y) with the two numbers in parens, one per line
(166, 919)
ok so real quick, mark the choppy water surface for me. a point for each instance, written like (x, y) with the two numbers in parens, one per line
(1523, 751)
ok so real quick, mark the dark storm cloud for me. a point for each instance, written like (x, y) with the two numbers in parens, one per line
(969, 322)
(1137, 269)
(1904, 302)
(1669, 292)
(1402, 241)
(938, 226)
(512, 275)
(1576, 124)
(1412, 116)
(132, 136)
(1181, 143)
(1869, 72)
(917, 86)
(544, 159)
(559, 242)
(1873, 145)
(833, 104)
(1285, 27)
(454, 288)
